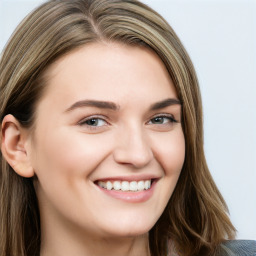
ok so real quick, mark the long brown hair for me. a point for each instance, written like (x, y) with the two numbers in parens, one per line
(195, 220)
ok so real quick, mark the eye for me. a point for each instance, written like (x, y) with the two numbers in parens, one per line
(93, 122)
(162, 119)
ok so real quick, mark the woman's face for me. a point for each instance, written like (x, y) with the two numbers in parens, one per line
(108, 146)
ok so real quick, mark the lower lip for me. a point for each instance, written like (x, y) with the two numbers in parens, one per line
(131, 197)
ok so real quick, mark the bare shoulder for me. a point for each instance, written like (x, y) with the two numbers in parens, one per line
(238, 248)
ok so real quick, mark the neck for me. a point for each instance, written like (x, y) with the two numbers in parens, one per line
(66, 246)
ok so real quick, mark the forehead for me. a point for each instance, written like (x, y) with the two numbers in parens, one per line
(109, 71)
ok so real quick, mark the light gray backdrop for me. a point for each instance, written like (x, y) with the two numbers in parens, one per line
(220, 36)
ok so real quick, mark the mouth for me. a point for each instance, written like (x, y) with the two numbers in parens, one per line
(125, 185)
(133, 191)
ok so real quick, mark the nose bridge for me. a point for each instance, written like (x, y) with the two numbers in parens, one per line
(133, 146)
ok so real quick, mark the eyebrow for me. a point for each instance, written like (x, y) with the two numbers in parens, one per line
(165, 103)
(113, 106)
(93, 103)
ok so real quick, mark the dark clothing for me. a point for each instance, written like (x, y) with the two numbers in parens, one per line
(238, 248)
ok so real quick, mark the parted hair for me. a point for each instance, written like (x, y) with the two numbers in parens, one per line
(195, 220)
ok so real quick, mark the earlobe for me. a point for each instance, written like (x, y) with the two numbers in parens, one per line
(14, 146)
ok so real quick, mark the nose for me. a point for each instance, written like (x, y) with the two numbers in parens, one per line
(133, 148)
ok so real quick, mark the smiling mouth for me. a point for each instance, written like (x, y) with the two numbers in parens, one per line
(125, 186)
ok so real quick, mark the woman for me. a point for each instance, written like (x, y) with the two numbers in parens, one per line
(101, 138)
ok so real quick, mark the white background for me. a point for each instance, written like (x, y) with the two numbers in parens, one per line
(220, 36)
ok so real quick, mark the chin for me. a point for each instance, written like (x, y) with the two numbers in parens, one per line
(132, 229)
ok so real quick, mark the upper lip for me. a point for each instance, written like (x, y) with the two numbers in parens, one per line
(129, 178)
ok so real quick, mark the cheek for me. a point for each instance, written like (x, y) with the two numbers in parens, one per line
(67, 152)
(63, 161)
(61, 149)
(169, 151)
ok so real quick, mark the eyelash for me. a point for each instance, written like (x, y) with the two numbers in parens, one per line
(168, 116)
(84, 121)
(102, 118)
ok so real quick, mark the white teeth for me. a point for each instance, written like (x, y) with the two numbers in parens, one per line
(133, 186)
(109, 185)
(126, 185)
(117, 185)
(102, 184)
(147, 184)
(141, 185)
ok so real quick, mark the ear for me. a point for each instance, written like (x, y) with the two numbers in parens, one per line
(15, 145)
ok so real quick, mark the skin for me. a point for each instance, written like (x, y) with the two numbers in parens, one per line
(68, 154)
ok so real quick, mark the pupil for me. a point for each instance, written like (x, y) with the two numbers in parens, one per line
(92, 122)
(158, 120)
